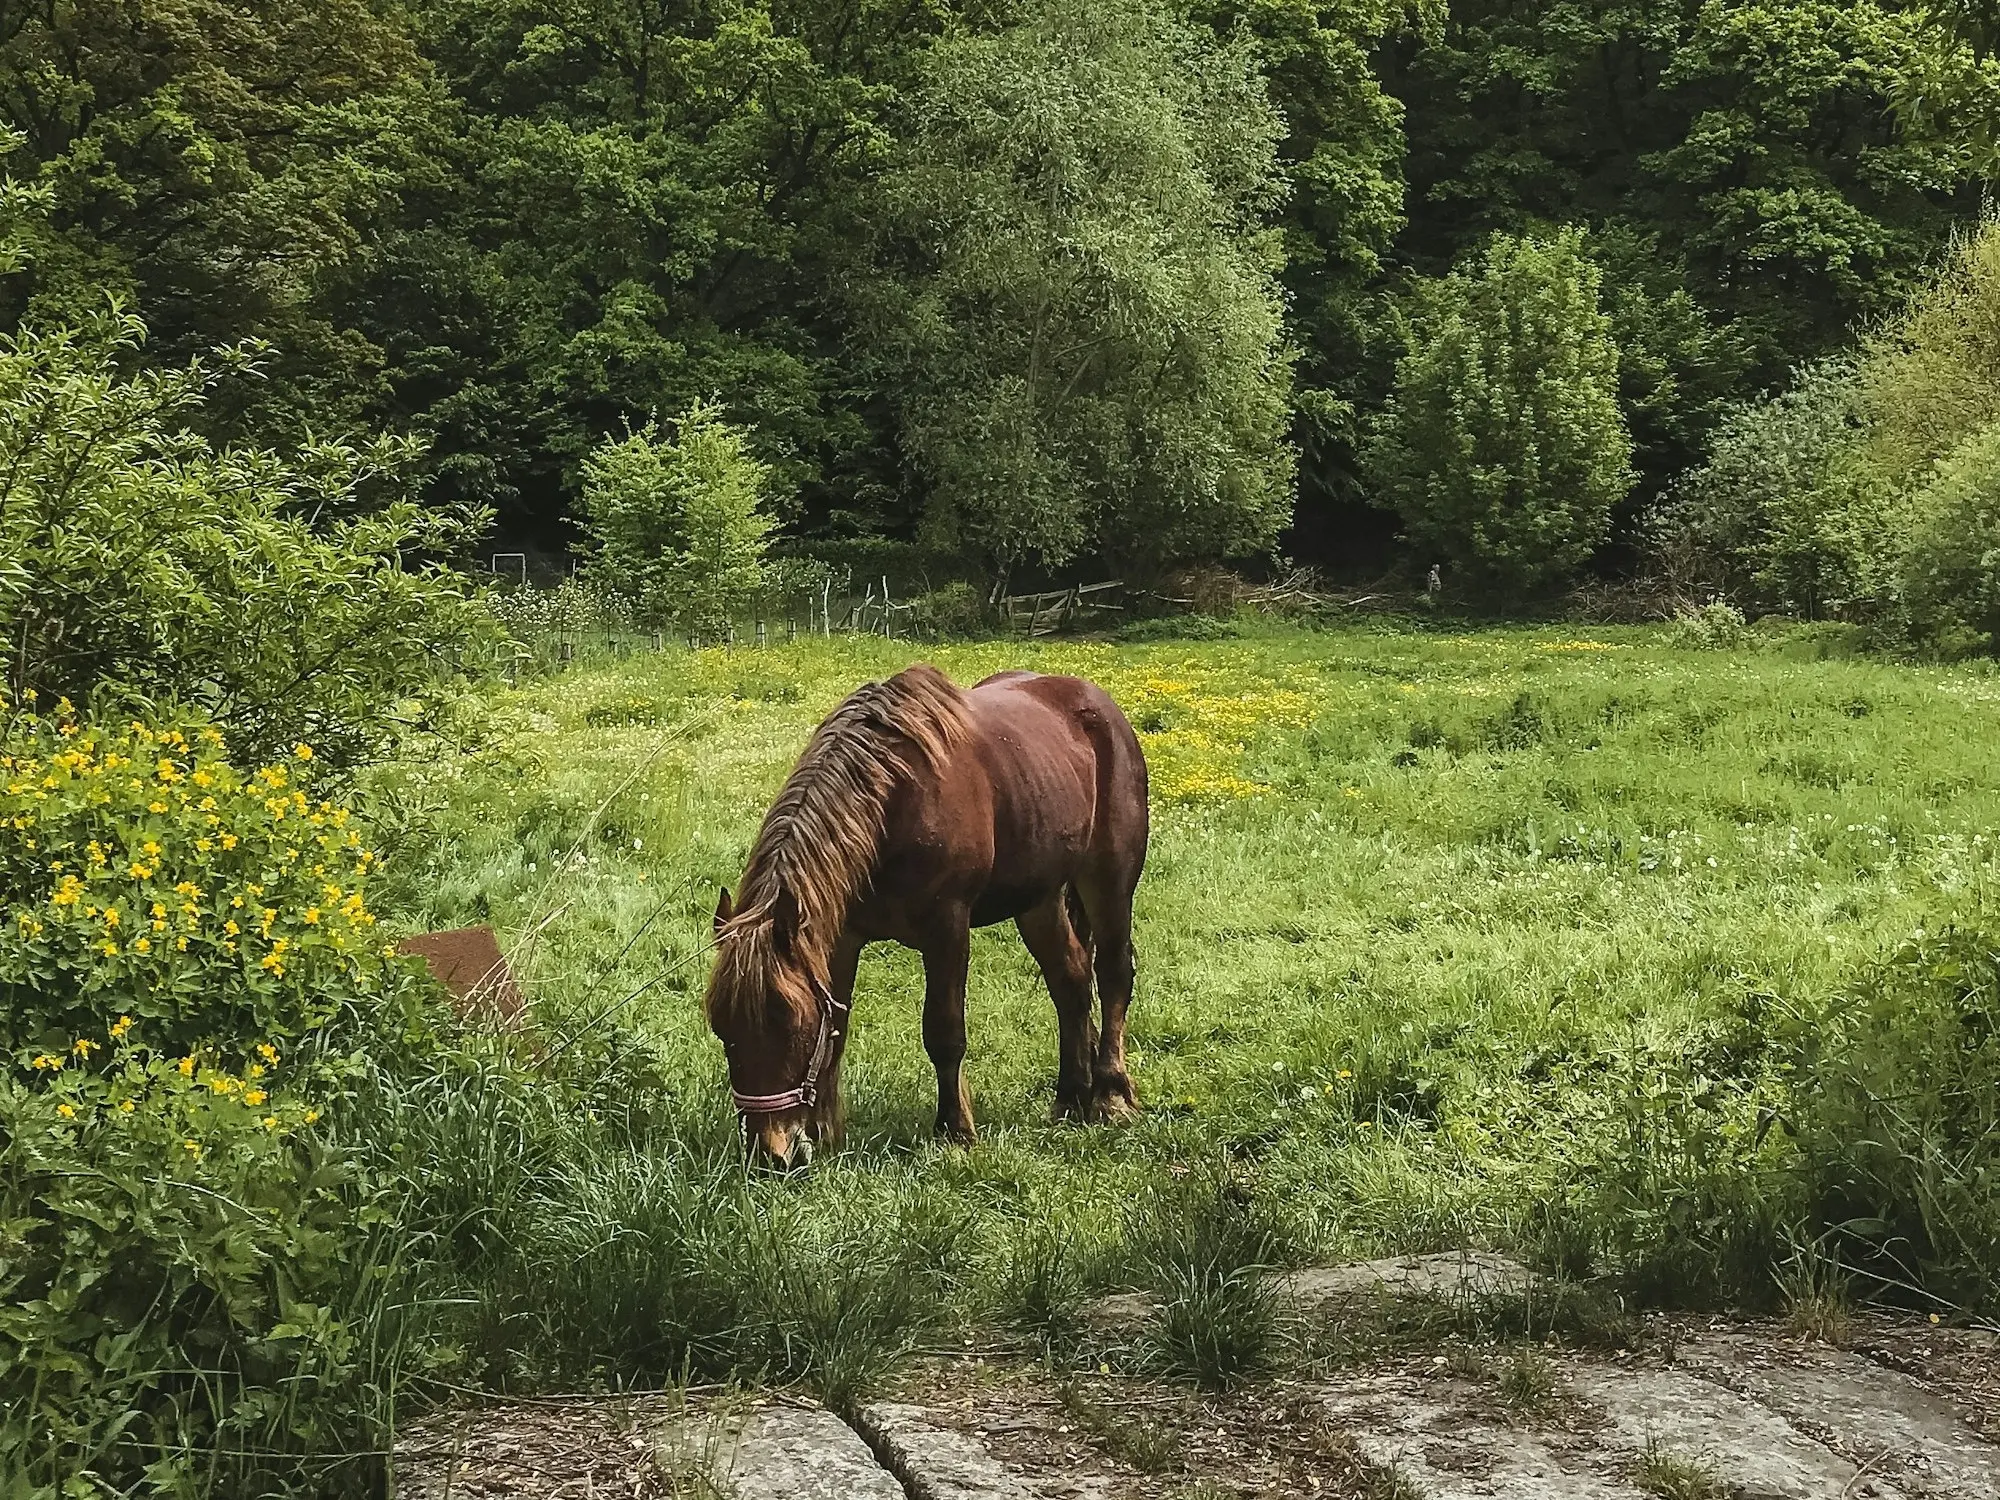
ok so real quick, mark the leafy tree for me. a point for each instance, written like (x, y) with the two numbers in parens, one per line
(1073, 293)
(678, 524)
(1341, 156)
(628, 207)
(213, 163)
(135, 557)
(1503, 446)
(1743, 153)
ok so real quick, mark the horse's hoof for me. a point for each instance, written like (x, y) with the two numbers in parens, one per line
(1114, 1099)
(954, 1134)
(1072, 1109)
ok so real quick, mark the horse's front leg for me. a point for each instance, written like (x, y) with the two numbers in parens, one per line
(946, 956)
(829, 1118)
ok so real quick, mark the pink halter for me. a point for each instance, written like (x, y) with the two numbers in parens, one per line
(807, 1093)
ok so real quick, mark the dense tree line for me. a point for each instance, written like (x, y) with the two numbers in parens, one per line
(1019, 283)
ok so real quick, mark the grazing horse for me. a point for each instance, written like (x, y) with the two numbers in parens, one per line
(918, 812)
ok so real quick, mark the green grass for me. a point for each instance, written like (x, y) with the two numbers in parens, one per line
(1446, 939)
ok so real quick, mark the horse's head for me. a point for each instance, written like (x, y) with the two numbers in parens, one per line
(780, 1030)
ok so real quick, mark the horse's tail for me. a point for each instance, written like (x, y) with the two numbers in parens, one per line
(1079, 919)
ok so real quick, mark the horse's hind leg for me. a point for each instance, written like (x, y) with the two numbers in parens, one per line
(1110, 914)
(1065, 965)
(946, 956)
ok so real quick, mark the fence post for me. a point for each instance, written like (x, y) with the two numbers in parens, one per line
(566, 651)
(659, 640)
(760, 632)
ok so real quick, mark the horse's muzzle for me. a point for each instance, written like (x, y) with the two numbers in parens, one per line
(777, 1143)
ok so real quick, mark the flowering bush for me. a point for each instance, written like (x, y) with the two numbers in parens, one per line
(189, 974)
(169, 1234)
(143, 874)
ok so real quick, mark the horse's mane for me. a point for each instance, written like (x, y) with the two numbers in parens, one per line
(816, 852)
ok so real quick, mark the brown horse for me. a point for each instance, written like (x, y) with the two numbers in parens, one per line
(918, 812)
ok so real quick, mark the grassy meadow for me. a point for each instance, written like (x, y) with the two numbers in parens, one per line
(1507, 937)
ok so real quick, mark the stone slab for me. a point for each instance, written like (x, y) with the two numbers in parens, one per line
(939, 1463)
(794, 1452)
(1431, 1434)
(1754, 1450)
(1454, 1276)
(1882, 1420)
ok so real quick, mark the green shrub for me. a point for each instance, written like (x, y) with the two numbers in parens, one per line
(1503, 444)
(1897, 1101)
(189, 976)
(1931, 375)
(678, 524)
(171, 1243)
(1766, 522)
(1950, 569)
(1866, 491)
(281, 597)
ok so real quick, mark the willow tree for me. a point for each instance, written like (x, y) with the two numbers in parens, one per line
(1071, 291)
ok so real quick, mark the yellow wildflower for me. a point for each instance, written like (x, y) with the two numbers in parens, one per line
(269, 1053)
(158, 807)
(270, 1122)
(120, 1026)
(303, 751)
(311, 917)
(67, 1111)
(47, 1061)
(253, 1096)
(142, 945)
(125, 1106)
(83, 1046)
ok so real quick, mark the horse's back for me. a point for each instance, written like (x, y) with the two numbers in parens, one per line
(1042, 720)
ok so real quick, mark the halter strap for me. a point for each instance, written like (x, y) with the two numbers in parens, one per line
(807, 1093)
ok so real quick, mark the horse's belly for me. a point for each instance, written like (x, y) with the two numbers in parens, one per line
(1004, 903)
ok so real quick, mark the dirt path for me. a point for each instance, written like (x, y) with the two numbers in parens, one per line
(1904, 1410)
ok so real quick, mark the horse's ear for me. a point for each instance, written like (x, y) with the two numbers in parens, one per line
(724, 909)
(784, 922)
